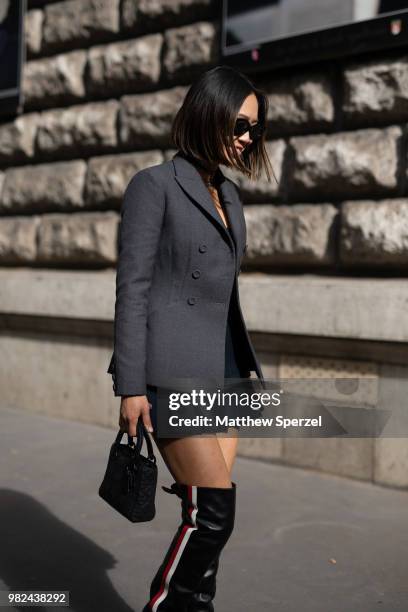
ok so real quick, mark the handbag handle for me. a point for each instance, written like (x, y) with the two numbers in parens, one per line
(141, 433)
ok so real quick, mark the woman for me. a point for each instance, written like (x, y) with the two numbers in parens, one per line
(177, 314)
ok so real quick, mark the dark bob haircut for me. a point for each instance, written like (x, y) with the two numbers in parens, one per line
(203, 128)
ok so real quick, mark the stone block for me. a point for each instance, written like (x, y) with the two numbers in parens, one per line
(17, 139)
(145, 119)
(363, 163)
(294, 234)
(302, 102)
(376, 91)
(374, 232)
(86, 238)
(55, 80)
(326, 306)
(75, 23)
(18, 240)
(78, 130)
(189, 49)
(161, 14)
(43, 187)
(130, 65)
(108, 175)
(68, 289)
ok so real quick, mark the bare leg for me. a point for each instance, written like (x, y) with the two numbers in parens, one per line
(229, 451)
(199, 465)
(197, 460)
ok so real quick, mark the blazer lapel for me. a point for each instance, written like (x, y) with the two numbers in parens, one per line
(191, 181)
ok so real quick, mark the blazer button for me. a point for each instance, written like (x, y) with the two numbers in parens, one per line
(202, 248)
(192, 300)
(196, 274)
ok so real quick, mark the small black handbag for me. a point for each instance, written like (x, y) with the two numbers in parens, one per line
(130, 480)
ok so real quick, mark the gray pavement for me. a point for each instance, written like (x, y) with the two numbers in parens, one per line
(291, 526)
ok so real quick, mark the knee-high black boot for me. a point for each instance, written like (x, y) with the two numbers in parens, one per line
(208, 515)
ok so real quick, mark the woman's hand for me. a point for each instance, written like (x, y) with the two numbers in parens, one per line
(131, 408)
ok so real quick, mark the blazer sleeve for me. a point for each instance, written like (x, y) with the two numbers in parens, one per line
(142, 214)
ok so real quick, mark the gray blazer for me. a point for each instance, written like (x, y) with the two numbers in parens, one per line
(177, 267)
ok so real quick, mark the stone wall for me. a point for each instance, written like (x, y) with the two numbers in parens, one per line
(102, 82)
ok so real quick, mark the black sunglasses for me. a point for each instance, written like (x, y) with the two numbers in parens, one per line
(242, 126)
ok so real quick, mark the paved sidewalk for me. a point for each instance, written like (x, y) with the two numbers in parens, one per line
(58, 534)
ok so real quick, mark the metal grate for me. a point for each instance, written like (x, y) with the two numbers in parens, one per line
(333, 379)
